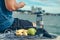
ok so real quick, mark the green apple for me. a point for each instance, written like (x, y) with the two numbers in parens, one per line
(31, 31)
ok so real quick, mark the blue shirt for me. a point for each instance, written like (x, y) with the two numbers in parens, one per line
(6, 18)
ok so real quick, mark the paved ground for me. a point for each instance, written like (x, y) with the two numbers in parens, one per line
(13, 37)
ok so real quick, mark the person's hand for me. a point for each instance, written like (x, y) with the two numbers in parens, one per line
(21, 4)
(34, 24)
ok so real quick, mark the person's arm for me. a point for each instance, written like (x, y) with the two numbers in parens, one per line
(12, 5)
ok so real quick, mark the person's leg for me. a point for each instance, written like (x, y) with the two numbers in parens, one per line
(26, 24)
(21, 24)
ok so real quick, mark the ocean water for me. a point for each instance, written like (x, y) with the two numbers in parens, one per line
(51, 23)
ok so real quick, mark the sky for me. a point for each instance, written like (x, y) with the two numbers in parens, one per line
(51, 6)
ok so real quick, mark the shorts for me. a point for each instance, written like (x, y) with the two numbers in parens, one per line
(20, 24)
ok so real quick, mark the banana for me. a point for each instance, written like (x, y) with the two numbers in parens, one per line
(25, 33)
(18, 34)
(21, 32)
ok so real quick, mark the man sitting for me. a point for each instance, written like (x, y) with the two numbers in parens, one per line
(8, 22)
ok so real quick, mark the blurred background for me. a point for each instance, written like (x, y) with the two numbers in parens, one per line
(51, 16)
